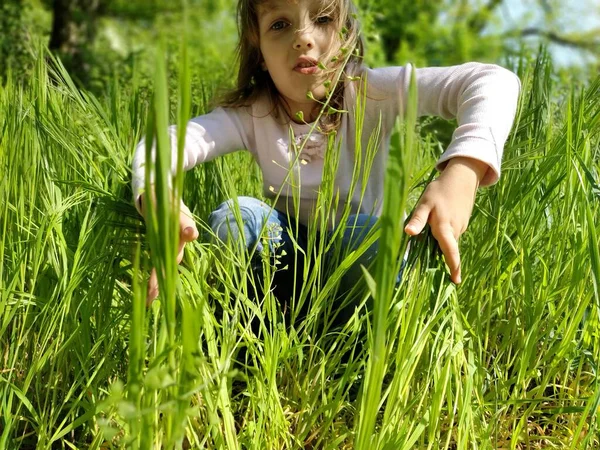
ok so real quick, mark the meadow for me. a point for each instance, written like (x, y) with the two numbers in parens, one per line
(509, 359)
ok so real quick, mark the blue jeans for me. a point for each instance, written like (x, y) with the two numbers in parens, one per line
(258, 217)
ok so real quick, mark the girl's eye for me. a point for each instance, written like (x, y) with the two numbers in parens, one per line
(323, 20)
(279, 25)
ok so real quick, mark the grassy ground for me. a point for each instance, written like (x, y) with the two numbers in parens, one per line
(507, 360)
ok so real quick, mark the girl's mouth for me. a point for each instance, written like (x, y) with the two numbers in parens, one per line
(306, 70)
(306, 65)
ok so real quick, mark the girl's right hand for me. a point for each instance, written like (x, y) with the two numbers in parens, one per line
(187, 233)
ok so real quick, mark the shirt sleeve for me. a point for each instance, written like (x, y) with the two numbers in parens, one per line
(221, 131)
(482, 97)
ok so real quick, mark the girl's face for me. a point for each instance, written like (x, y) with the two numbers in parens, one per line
(294, 36)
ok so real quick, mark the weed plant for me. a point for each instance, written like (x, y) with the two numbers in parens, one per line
(507, 360)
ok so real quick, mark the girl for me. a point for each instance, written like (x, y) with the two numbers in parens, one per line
(291, 52)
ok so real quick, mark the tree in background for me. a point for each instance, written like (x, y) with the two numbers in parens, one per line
(14, 38)
(423, 32)
(428, 32)
(74, 27)
(574, 27)
(442, 32)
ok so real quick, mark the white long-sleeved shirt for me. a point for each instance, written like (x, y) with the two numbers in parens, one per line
(482, 97)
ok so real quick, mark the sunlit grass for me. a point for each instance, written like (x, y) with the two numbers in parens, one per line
(507, 360)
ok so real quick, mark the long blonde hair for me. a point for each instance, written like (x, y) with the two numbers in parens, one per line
(253, 81)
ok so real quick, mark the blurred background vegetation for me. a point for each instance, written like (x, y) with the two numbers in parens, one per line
(103, 40)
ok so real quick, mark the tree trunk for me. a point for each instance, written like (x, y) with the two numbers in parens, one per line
(73, 29)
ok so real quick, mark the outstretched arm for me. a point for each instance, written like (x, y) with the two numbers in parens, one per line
(207, 136)
(483, 98)
(446, 205)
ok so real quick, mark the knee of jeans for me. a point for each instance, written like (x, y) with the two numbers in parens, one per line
(357, 228)
(226, 224)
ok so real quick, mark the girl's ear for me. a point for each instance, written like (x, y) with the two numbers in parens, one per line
(263, 66)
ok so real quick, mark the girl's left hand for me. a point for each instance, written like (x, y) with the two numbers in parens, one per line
(446, 205)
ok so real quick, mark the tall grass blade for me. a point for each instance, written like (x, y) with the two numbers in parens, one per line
(392, 244)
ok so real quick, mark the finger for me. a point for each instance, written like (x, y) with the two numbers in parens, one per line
(188, 234)
(152, 288)
(449, 246)
(418, 220)
(180, 251)
(187, 227)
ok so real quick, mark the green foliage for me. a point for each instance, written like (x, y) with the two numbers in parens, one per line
(428, 33)
(124, 51)
(15, 53)
(509, 358)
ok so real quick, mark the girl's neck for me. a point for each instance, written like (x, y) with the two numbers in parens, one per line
(306, 116)
(300, 114)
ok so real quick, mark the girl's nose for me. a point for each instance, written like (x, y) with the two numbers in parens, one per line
(304, 39)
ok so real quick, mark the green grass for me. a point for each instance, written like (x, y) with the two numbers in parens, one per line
(507, 360)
